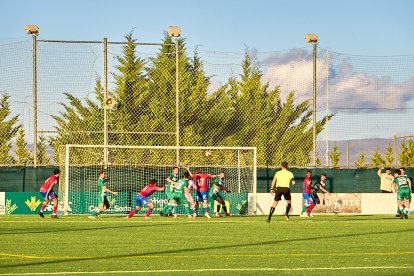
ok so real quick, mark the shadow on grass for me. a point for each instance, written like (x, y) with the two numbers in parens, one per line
(93, 228)
(201, 249)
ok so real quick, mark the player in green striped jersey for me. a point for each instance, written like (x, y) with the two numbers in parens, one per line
(216, 194)
(169, 191)
(103, 202)
(180, 190)
(403, 186)
(402, 170)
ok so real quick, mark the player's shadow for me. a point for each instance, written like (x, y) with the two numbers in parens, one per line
(24, 231)
(340, 217)
(201, 249)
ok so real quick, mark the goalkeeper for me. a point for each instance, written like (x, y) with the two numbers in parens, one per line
(103, 202)
(216, 194)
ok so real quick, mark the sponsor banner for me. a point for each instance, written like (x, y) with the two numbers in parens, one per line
(265, 200)
(338, 203)
(335, 203)
(86, 203)
(2, 203)
(25, 203)
(341, 203)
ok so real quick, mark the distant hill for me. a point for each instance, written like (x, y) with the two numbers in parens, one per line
(368, 146)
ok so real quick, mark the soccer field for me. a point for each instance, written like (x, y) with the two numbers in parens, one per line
(75, 245)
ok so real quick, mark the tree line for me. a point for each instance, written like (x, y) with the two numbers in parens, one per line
(244, 111)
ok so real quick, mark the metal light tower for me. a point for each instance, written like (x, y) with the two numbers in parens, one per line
(313, 39)
(174, 31)
(33, 30)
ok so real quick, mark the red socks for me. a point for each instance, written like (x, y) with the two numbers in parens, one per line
(149, 212)
(310, 208)
(133, 212)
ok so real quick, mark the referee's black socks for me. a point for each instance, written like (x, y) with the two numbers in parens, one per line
(272, 210)
(288, 208)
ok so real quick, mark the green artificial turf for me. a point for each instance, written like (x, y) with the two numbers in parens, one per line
(113, 245)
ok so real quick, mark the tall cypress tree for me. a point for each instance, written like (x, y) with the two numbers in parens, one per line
(376, 159)
(23, 155)
(8, 130)
(406, 157)
(280, 130)
(81, 122)
(42, 145)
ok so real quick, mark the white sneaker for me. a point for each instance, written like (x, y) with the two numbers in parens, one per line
(147, 217)
(92, 217)
(304, 215)
(207, 215)
(311, 215)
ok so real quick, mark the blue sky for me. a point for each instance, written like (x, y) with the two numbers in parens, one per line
(359, 27)
(364, 27)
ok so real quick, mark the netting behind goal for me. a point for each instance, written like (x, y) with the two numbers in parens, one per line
(129, 169)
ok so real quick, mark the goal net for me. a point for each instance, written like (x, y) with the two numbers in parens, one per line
(130, 168)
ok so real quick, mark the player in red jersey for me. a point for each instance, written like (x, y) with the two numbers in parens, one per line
(310, 201)
(142, 197)
(46, 190)
(202, 189)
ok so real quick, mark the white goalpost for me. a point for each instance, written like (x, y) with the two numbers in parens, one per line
(129, 169)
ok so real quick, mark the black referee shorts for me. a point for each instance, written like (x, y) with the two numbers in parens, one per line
(282, 191)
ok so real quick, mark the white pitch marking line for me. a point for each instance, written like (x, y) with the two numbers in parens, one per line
(214, 270)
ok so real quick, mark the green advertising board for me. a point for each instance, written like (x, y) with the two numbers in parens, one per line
(23, 203)
(123, 203)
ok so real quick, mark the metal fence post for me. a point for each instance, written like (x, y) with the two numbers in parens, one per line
(395, 150)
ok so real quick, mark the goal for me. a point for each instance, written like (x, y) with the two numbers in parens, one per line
(129, 168)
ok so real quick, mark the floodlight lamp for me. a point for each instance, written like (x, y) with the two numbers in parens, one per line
(110, 103)
(311, 38)
(174, 31)
(31, 29)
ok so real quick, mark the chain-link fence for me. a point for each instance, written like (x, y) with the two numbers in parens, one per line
(364, 109)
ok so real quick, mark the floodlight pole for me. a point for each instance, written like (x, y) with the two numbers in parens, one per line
(105, 97)
(177, 101)
(314, 104)
(34, 100)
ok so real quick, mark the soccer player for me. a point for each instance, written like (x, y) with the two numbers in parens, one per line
(282, 180)
(180, 192)
(46, 190)
(202, 189)
(189, 197)
(103, 202)
(319, 185)
(142, 198)
(402, 170)
(310, 201)
(217, 195)
(169, 190)
(403, 186)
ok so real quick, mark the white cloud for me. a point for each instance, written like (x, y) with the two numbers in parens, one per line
(349, 90)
